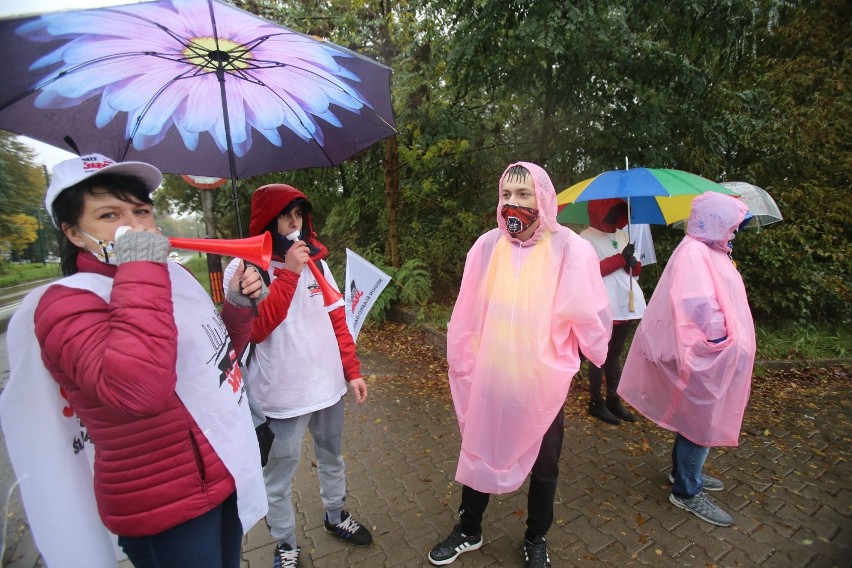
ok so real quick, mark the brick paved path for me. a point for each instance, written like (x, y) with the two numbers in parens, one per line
(789, 490)
(789, 486)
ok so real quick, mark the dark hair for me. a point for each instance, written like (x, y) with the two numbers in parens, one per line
(517, 172)
(68, 206)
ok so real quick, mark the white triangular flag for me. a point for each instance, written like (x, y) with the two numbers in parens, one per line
(641, 235)
(364, 282)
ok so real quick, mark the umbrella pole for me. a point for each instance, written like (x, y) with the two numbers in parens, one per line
(232, 162)
(630, 305)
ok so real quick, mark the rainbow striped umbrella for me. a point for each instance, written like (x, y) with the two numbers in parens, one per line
(655, 196)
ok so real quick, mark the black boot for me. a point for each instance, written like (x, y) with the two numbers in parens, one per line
(599, 410)
(614, 405)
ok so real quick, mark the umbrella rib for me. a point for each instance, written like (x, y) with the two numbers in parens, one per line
(148, 106)
(85, 65)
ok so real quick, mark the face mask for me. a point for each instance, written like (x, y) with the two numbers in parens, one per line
(107, 249)
(518, 219)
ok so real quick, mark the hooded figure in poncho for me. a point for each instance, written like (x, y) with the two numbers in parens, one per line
(690, 363)
(531, 297)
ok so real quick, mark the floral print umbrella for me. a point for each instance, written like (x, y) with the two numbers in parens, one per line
(195, 87)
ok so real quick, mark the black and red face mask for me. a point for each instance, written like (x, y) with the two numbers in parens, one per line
(518, 219)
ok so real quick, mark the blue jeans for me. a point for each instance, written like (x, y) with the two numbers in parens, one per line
(687, 461)
(212, 540)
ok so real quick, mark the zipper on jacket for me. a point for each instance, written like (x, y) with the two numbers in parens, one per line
(199, 461)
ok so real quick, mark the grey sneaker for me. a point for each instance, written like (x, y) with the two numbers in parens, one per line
(449, 549)
(710, 483)
(704, 508)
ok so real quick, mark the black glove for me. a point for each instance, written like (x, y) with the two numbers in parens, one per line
(628, 252)
(631, 262)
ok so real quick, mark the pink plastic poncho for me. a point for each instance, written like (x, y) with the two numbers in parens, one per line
(673, 374)
(523, 310)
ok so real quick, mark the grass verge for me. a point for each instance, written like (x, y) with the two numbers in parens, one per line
(786, 341)
(12, 274)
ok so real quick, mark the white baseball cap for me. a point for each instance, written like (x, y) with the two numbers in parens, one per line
(73, 171)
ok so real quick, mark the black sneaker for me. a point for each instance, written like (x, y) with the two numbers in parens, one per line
(349, 530)
(450, 548)
(535, 553)
(285, 557)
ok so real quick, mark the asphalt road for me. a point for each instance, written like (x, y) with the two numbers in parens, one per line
(12, 508)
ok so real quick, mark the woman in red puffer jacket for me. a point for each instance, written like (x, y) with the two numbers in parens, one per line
(135, 344)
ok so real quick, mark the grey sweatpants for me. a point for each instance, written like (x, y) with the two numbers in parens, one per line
(326, 428)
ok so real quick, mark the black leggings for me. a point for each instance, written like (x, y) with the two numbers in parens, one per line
(612, 365)
(545, 474)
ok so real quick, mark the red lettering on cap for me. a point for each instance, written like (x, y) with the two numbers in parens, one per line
(90, 165)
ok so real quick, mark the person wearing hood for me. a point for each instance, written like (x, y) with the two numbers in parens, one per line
(304, 358)
(620, 271)
(531, 297)
(147, 370)
(689, 366)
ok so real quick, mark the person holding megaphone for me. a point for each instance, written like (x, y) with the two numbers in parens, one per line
(138, 362)
(303, 360)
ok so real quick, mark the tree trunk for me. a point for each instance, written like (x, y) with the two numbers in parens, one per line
(391, 162)
(391, 167)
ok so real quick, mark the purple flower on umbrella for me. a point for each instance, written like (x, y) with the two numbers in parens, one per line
(158, 64)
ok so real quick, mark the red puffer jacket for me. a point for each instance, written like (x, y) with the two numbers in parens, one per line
(154, 469)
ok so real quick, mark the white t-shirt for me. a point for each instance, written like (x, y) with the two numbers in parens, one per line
(618, 283)
(297, 369)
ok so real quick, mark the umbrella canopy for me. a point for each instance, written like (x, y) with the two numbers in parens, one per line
(194, 87)
(655, 196)
(763, 209)
(761, 206)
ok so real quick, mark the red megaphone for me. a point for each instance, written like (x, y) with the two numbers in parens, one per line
(256, 250)
(329, 295)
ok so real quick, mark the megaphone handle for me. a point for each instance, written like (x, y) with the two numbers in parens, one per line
(253, 301)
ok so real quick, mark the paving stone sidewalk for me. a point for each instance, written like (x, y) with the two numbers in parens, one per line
(788, 489)
(790, 495)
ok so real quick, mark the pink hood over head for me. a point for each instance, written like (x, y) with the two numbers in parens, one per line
(714, 217)
(545, 196)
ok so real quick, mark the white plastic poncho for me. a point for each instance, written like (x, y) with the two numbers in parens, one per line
(523, 311)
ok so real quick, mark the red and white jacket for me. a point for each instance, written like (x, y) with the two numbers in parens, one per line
(154, 468)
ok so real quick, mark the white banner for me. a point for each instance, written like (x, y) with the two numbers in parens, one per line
(52, 456)
(641, 237)
(364, 282)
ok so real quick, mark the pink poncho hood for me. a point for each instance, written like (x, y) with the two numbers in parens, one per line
(523, 311)
(674, 375)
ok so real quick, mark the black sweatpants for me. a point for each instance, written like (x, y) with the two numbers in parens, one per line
(612, 365)
(545, 474)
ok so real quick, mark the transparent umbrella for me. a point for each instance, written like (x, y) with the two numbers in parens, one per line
(762, 207)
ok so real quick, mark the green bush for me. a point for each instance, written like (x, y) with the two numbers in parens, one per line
(410, 285)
